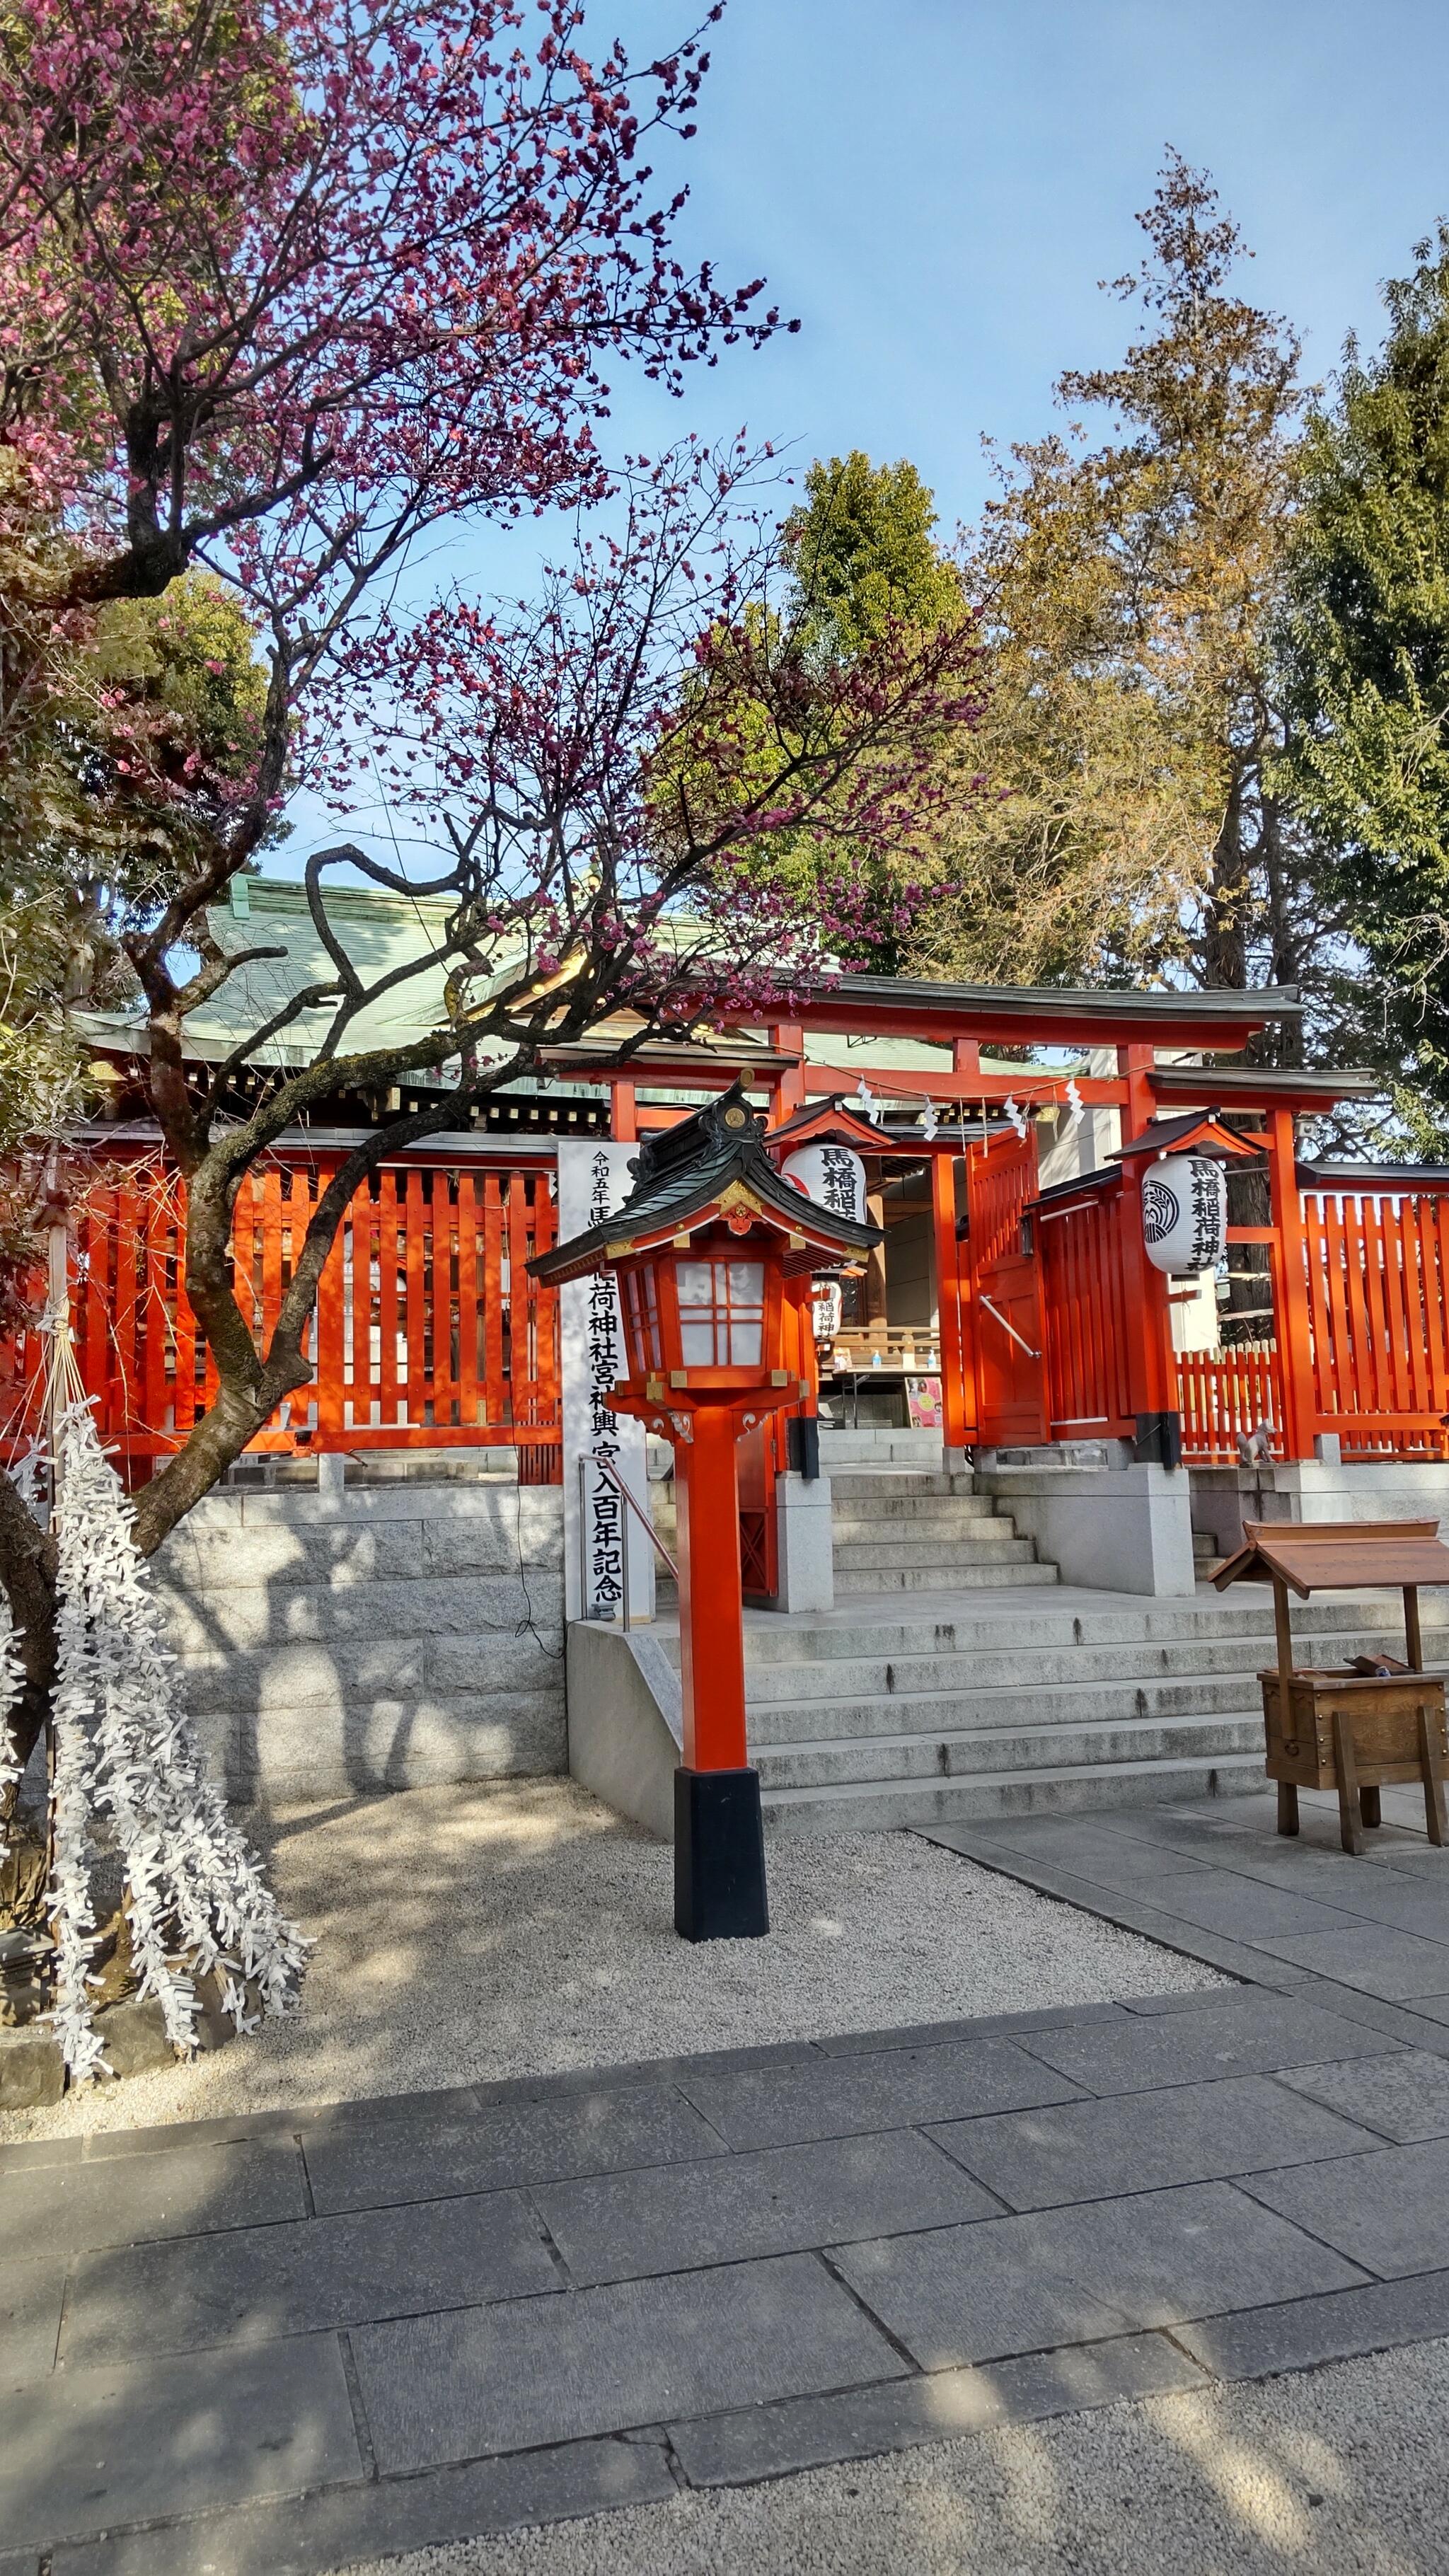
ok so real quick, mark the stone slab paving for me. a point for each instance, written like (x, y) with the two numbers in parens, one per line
(278, 2343)
(268, 2346)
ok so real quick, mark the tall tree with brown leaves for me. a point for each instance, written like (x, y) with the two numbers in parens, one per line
(1129, 591)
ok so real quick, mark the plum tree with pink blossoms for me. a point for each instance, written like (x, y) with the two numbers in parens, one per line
(606, 778)
(284, 285)
(308, 279)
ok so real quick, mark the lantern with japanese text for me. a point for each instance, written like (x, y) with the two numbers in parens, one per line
(1185, 1213)
(831, 1174)
(704, 1249)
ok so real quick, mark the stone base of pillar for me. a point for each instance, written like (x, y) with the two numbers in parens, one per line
(805, 1552)
(719, 1856)
(1322, 1488)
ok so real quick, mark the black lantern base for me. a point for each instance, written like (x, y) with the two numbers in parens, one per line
(719, 1856)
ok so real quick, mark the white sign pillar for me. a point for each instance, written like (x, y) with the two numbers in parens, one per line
(606, 1549)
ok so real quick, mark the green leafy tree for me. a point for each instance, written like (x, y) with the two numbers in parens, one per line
(1366, 665)
(863, 562)
(862, 574)
(863, 551)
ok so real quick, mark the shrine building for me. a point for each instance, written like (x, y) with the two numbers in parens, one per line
(1117, 1301)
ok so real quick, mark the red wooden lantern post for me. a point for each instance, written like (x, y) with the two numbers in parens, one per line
(706, 1250)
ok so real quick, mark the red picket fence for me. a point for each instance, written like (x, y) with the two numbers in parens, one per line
(1223, 1393)
(427, 1331)
(1377, 1266)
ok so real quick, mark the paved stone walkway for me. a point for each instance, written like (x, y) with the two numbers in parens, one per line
(281, 2343)
(1216, 1880)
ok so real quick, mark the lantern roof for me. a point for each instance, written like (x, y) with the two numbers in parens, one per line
(1200, 1132)
(825, 1122)
(712, 1164)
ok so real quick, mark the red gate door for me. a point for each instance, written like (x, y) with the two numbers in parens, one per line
(759, 1553)
(1010, 1375)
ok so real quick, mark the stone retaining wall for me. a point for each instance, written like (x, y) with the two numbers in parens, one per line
(332, 1645)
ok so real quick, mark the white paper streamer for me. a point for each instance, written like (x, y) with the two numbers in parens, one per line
(12, 1680)
(196, 1897)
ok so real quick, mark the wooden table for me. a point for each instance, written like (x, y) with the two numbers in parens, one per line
(1349, 1730)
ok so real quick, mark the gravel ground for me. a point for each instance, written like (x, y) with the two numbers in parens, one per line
(1337, 2472)
(467, 1933)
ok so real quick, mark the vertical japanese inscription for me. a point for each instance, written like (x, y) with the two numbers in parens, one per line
(839, 1180)
(604, 1535)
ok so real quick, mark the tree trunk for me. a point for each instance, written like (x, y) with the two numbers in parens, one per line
(1285, 964)
(216, 1444)
(27, 1570)
(1229, 897)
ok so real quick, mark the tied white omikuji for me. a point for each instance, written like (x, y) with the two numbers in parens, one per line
(195, 1895)
(12, 1678)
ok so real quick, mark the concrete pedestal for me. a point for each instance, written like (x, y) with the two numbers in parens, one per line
(1118, 1528)
(806, 1553)
(1316, 1489)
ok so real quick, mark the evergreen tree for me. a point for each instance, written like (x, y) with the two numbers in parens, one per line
(1366, 662)
(1129, 591)
(863, 550)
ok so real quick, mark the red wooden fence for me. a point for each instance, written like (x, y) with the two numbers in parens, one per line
(427, 1331)
(1224, 1393)
(1084, 1301)
(1376, 1266)
(1087, 1306)
(1378, 1295)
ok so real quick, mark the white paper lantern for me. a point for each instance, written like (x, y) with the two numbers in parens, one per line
(1185, 1213)
(832, 1176)
(825, 1310)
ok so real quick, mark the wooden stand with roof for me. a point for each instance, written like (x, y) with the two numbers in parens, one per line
(1373, 1721)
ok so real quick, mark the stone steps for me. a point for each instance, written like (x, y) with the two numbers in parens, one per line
(1066, 1621)
(891, 1657)
(1066, 1790)
(882, 1488)
(916, 1531)
(807, 1720)
(1001, 1751)
(957, 1578)
(899, 1448)
(859, 1675)
(882, 1715)
(988, 1543)
(880, 1719)
(912, 1498)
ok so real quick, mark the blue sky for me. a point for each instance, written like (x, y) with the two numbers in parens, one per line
(935, 187)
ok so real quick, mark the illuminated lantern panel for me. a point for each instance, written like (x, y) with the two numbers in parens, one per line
(706, 1311)
(641, 1320)
(721, 1313)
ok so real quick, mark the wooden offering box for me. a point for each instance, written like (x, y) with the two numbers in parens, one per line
(1372, 1721)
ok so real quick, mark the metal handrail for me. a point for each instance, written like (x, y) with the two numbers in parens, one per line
(1006, 1327)
(607, 1468)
